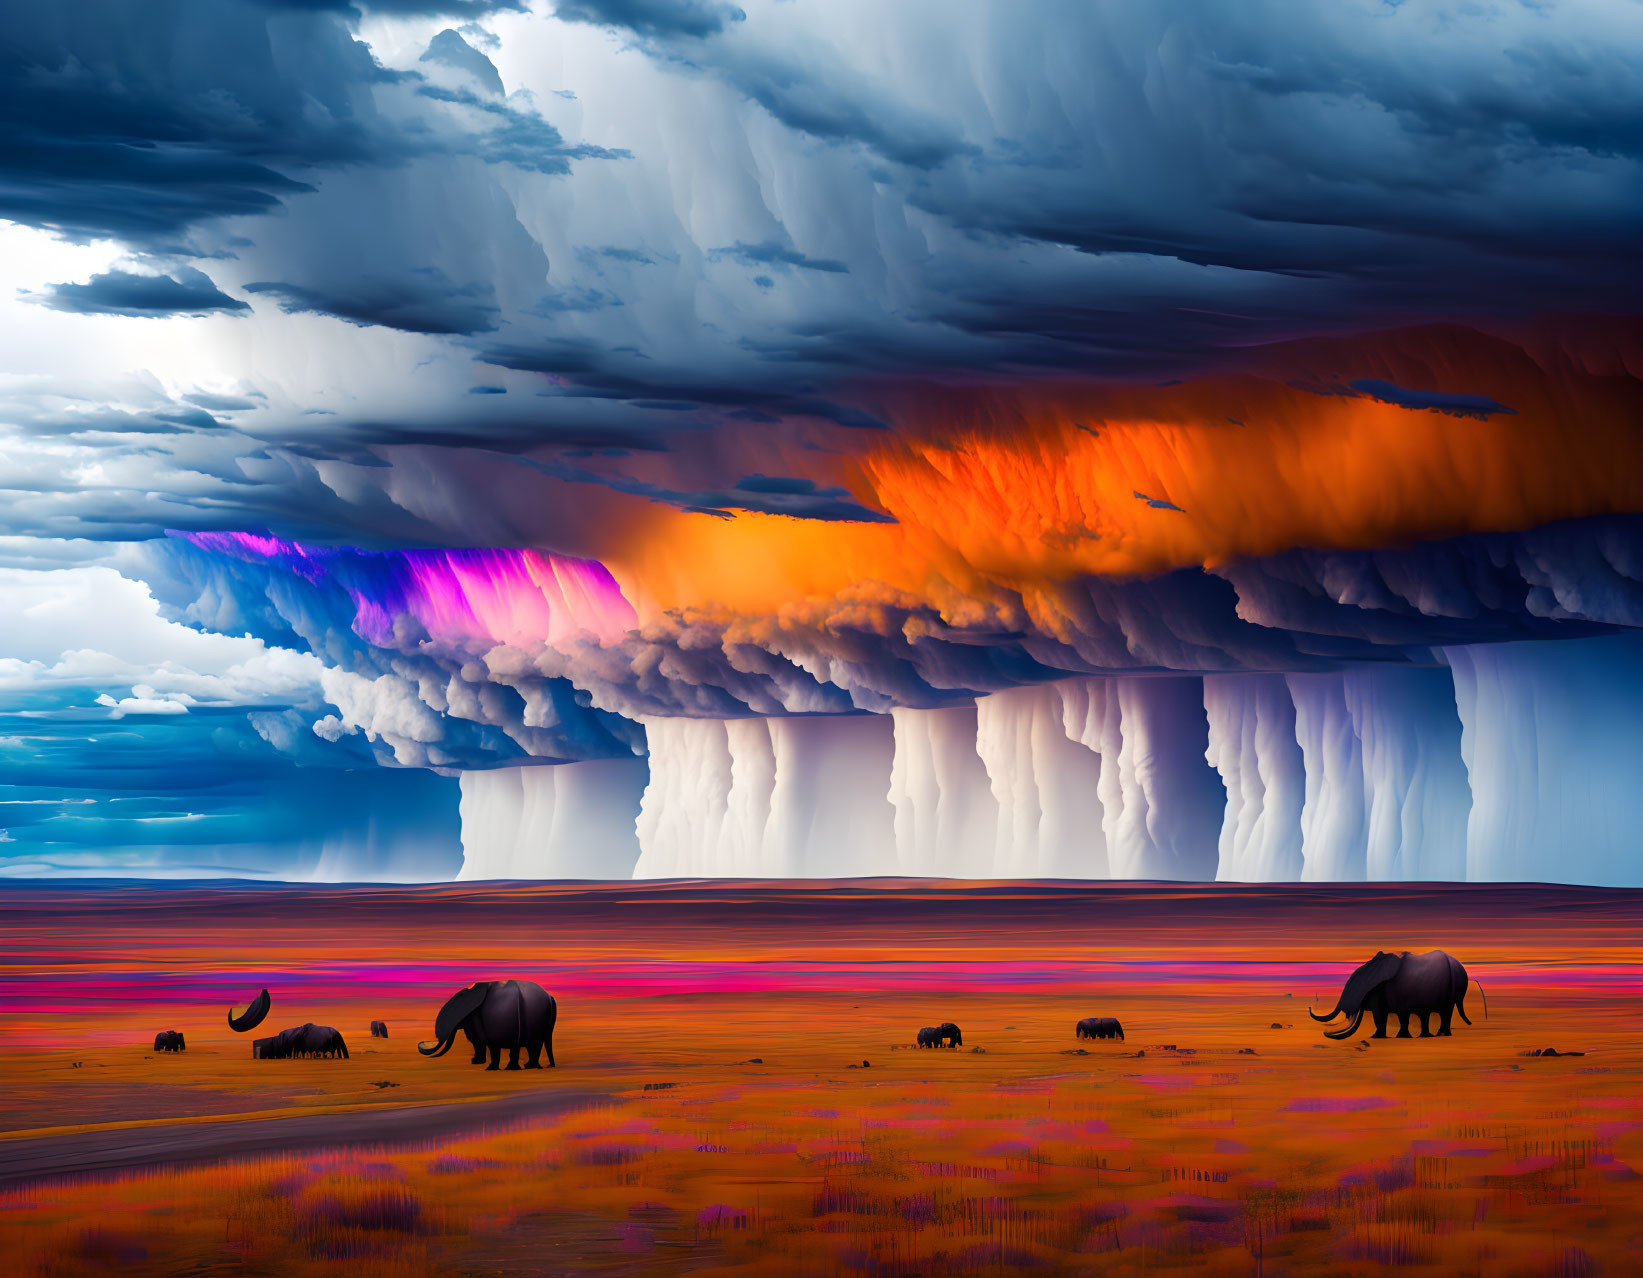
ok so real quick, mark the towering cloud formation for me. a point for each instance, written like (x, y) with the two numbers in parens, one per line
(1506, 763)
(807, 439)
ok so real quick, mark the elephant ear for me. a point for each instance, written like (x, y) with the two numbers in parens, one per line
(1380, 969)
(241, 1019)
(461, 1005)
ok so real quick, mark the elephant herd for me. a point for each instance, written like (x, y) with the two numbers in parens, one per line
(519, 1016)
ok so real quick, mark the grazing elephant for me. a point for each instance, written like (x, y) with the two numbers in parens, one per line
(301, 1040)
(379, 1029)
(241, 1019)
(1402, 985)
(169, 1041)
(1100, 1027)
(950, 1037)
(929, 1036)
(494, 1015)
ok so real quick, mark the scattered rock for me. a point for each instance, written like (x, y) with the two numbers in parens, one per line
(1247, 1051)
(1550, 1051)
(754, 1060)
(867, 1064)
(659, 1087)
(978, 1051)
(384, 1083)
(1075, 1051)
(1363, 1045)
(1276, 1025)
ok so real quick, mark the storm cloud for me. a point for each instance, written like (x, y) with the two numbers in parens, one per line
(878, 355)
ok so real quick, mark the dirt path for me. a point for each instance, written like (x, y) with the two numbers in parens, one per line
(90, 1153)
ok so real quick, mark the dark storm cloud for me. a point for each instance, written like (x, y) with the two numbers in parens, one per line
(429, 8)
(185, 292)
(144, 122)
(771, 253)
(424, 301)
(692, 19)
(1480, 406)
(765, 494)
(141, 121)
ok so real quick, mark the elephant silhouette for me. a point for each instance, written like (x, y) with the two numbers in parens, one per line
(496, 1015)
(1403, 985)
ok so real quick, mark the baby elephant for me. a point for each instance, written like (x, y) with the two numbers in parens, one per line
(379, 1029)
(929, 1036)
(169, 1041)
(1100, 1027)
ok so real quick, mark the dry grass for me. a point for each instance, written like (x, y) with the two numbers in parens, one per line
(1443, 1156)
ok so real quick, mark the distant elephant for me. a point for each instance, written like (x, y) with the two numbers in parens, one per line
(950, 1037)
(241, 1019)
(301, 1040)
(494, 1015)
(1100, 1027)
(169, 1041)
(929, 1036)
(1402, 985)
(379, 1029)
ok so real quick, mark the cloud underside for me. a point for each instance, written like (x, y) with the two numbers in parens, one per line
(885, 355)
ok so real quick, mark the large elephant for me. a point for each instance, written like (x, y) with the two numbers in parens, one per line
(241, 1019)
(950, 1037)
(1100, 1027)
(301, 1040)
(494, 1015)
(1402, 985)
(169, 1041)
(929, 1036)
(379, 1029)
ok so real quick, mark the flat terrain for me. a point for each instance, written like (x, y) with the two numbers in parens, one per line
(737, 1090)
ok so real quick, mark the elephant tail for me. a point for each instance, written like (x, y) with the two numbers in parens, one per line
(1483, 996)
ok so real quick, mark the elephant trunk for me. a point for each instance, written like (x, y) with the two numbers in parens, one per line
(1348, 1030)
(1325, 1019)
(436, 1049)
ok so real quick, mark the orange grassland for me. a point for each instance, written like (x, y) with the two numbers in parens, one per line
(1225, 1136)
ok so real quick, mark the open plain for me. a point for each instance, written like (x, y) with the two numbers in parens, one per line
(737, 1089)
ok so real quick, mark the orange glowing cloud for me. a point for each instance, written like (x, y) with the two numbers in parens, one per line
(1002, 492)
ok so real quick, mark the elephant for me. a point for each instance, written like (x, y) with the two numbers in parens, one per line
(929, 1036)
(379, 1029)
(1402, 985)
(1100, 1027)
(494, 1015)
(241, 1019)
(301, 1040)
(169, 1041)
(950, 1037)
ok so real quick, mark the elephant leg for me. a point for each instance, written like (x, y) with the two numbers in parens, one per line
(1403, 1025)
(1426, 1030)
(535, 1061)
(548, 1043)
(1444, 1017)
(1380, 1026)
(513, 1057)
(496, 1058)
